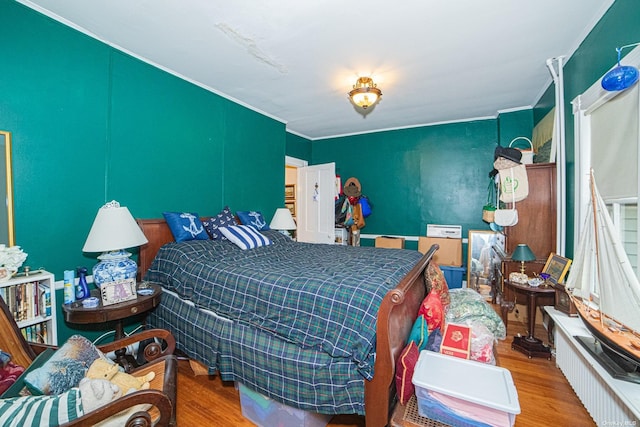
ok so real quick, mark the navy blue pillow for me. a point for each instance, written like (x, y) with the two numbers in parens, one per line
(224, 218)
(253, 218)
(185, 226)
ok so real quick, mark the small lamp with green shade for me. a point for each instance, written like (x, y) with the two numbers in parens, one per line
(523, 253)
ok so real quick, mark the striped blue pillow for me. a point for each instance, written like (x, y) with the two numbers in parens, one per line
(245, 236)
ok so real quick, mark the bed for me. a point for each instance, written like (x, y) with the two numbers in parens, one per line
(247, 332)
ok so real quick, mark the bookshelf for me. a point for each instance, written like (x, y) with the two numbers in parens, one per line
(32, 301)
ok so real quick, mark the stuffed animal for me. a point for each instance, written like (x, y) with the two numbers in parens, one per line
(103, 369)
(95, 393)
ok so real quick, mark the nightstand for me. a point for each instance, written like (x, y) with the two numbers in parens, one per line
(77, 313)
(535, 296)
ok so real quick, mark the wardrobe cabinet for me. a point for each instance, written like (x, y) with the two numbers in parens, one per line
(536, 220)
(537, 213)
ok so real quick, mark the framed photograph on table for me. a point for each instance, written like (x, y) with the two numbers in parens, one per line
(556, 267)
(118, 291)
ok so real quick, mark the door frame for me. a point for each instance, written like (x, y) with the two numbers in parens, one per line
(295, 162)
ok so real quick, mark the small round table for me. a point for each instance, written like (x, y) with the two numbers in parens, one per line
(77, 313)
(529, 345)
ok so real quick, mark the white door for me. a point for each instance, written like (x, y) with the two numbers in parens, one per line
(316, 203)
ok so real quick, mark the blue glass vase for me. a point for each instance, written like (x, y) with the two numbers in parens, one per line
(82, 289)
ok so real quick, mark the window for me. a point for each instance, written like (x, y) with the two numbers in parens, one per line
(625, 216)
(607, 139)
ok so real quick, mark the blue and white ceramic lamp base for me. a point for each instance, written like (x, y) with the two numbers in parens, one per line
(115, 265)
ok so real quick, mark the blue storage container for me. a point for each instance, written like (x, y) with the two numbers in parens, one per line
(453, 276)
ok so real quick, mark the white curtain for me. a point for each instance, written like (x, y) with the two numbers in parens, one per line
(614, 145)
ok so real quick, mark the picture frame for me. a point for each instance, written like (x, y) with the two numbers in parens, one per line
(480, 259)
(118, 291)
(292, 207)
(290, 192)
(7, 228)
(556, 267)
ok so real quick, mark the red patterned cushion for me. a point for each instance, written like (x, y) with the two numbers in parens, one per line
(431, 309)
(436, 282)
(404, 372)
(8, 375)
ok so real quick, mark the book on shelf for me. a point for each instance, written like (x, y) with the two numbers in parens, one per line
(36, 333)
(27, 300)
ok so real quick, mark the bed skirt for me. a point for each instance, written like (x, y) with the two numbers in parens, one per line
(300, 377)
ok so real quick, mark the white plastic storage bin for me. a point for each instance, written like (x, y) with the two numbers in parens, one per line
(266, 412)
(461, 392)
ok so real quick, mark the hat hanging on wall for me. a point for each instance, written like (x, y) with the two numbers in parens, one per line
(508, 153)
(505, 157)
(352, 188)
(620, 77)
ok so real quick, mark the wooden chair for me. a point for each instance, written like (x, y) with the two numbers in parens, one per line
(160, 359)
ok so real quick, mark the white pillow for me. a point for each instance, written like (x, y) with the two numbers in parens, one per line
(245, 236)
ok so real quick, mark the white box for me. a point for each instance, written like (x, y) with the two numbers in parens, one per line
(454, 391)
(449, 231)
(341, 236)
(266, 412)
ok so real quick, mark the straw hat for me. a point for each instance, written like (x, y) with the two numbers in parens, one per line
(352, 187)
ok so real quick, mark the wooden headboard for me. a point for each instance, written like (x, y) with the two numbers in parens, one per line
(158, 234)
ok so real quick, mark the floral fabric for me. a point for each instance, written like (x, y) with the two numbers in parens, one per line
(435, 281)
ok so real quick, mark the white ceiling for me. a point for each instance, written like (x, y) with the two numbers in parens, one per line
(294, 60)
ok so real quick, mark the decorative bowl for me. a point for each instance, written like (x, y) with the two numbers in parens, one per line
(535, 282)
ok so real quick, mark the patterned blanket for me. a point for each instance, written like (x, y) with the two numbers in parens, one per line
(323, 297)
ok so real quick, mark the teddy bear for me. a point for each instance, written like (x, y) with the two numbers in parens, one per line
(104, 369)
(95, 393)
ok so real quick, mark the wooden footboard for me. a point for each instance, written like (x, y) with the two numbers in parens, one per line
(398, 312)
(396, 316)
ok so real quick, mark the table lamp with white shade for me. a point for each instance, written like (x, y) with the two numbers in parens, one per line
(283, 221)
(113, 231)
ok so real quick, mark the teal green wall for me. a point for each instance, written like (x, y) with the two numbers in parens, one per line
(91, 124)
(514, 124)
(544, 104)
(618, 27)
(433, 174)
(298, 147)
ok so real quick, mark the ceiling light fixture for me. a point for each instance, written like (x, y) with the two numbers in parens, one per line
(620, 77)
(365, 93)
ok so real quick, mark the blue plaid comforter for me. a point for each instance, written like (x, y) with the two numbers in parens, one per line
(322, 297)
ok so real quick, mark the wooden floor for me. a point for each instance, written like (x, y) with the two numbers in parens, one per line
(543, 392)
